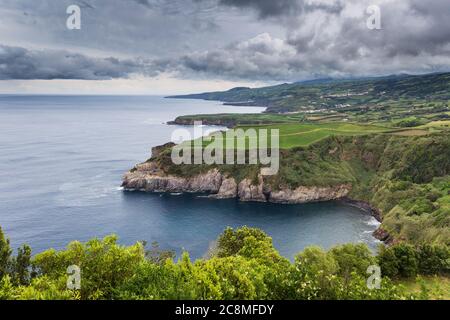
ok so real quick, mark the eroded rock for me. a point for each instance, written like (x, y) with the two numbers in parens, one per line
(228, 189)
(250, 192)
(149, 177)
(309, 194)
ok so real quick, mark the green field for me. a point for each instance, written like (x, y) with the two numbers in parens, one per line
(304, 134)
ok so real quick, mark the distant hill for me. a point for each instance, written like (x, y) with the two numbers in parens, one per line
(326, 94)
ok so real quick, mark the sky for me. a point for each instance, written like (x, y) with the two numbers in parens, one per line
(185, 46)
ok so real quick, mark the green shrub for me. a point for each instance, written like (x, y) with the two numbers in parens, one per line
(352, 258)
(246, 266)
(104, 264)
(388, 262)
(5, 254)
(404, 260)
(433, 259)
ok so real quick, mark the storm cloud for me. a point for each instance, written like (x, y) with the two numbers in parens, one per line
(414, 38)
(254, 40)
(23, 64)
(270, 8)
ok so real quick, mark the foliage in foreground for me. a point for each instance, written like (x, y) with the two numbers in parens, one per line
(244, 265)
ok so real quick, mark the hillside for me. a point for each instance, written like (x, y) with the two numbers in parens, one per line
(384, 141)
(414, 94)
(406, 177)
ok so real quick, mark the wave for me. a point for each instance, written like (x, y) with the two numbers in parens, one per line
(373, 222)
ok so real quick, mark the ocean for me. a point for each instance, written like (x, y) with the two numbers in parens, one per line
(61, 163)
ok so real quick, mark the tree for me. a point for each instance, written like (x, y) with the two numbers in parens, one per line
(315, 274)
(21, 265)
(253, 243)
(104, 265)
(231, 242)
(314, 260)
(250, 268)
(433, 259)
(388, 261)
(352, 258)
(406, 259)
(5, 255)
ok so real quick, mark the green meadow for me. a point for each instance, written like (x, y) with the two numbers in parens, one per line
(294, 135)
(305, 134)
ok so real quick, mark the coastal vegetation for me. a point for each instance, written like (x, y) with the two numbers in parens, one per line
(386, 137)
(399, 101)
(243, 265)
(379, 142)
(384, 140)
(368, 99)
(234, 119)
(404, 177)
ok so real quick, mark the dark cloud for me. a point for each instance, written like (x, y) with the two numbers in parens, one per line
(85, 4)
(274, 8)
(415, 37)
(150, 28)
(286, 40)
(265, 8)
(23, 64)
(410, 37)
(166, 6)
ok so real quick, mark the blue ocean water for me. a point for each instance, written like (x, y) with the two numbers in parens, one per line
(61, 163)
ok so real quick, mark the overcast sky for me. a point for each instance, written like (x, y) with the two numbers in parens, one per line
(182, 46)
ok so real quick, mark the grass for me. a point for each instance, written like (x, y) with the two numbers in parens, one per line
(434, 287)
(305, 134)
(294, 135)
(411, 133)
(437, 124)
(301, 136)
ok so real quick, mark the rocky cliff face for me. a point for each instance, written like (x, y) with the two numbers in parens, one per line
(228, 189)
(148, 177)
(249, 192)
(309, 194)
(155, 181)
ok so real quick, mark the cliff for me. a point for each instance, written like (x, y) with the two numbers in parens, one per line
(149, 177)
(402, 181)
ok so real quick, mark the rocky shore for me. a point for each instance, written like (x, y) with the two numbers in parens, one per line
(367, 207)
(380, 233)
(210, 122)
(149, 178)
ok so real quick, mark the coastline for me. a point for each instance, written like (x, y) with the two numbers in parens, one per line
(223, 187)
(365, 206)
(178, 122)
(148, 177)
